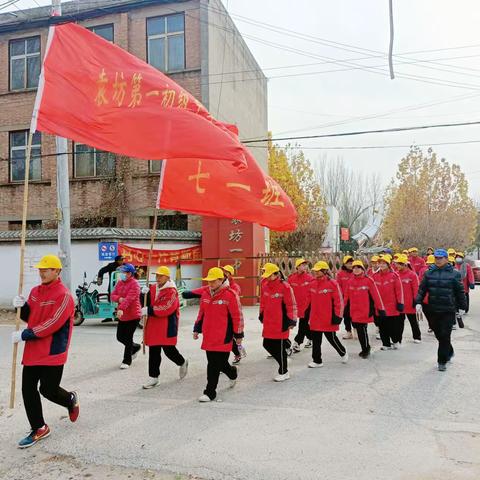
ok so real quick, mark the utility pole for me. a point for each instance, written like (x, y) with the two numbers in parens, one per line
(63, 193)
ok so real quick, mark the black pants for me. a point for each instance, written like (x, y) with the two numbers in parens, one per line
(49, 378)
(317, 344)
(277, 348)
(362, 333)
(125, 331)
(391, 329)
(412, 318)
(303, 331)
(217, 362)
(347, 319)
(155, 358)
(442, 323)
(467, 295)
(427, 312)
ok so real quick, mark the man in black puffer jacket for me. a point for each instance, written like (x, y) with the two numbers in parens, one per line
(445, 295)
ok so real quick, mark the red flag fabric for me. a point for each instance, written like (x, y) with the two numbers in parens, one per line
(96, 93)
(220, 190)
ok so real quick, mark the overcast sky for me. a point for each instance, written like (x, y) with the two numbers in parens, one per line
(329, 102)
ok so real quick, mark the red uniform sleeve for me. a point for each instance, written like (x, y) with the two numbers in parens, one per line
(168, 304)
(235, 311)
(114, 296)
(64, 308)
(338, 305)
(133, 295)
(399, 290)
(470, 276)
(414, 286)
(197, 327)
(290, 302)
(377, 299)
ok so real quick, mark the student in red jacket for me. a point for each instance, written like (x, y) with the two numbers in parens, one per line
(410, 284)
(416, 261)
(49, 313)
(300, 281)
(127, 294)
(391, 291)
(466, 272)
(238, 350)
(343, 276)
(324, 313)
(363, 298)
(161, 328)
(373, 267)
(219, 321)
(278, 313)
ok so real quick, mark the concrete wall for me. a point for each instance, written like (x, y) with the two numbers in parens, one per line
(84, 259)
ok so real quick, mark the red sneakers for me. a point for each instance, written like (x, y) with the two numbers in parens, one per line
(34, 437)
(74, 410)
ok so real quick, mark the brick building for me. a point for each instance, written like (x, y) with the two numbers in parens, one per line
(193, 41)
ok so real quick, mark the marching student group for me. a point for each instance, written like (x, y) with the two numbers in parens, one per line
(387, 291)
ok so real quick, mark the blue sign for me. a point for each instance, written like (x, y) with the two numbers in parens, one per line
(107, 251)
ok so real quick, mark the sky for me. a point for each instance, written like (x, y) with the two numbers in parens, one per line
(436, 61)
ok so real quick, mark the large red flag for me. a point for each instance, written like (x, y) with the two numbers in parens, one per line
(220, 190)
(93, 92)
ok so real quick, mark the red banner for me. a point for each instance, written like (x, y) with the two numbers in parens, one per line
(345, 234)
(220, 190)
(96, 93)
(139, 256)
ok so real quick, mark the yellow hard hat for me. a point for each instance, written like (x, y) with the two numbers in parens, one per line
(460, 254)
(214, 273)
(229, 269)
(346, 259)
(430, 260)
(405, 252)
(49, 261)
(396, 255)
(269, 269)
(358, 263)
(451, 258)
(385, 258)
(163, 271)
(375, 258)
(413, 249)
(321, 265)
(451, 251)
(401, 258)
(299, 261)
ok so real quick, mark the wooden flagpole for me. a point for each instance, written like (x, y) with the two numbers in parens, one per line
(22, 267)
(152, 241)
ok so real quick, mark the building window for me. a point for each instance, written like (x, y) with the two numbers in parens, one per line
(178, 221)
(90, 162)
(166, 42)
(18, 149)
(31, 225)
(24, 63)
(155, 166)
(105, 31)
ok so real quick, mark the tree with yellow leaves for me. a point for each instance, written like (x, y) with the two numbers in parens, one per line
(295, 175)
(427, 204)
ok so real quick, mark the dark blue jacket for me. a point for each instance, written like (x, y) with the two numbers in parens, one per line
(444, 288)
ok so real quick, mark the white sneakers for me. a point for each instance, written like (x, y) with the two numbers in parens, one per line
(124, 366)
(417, 341)
(345, 358)
(183, 370)
(348, 336)
(383, 347)
(150, 383)
(396, 345)
(281, 377)
(204, 399)
(315, 365)
(296, 347)
(309, 344)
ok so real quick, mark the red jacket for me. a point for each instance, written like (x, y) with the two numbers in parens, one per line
(129, 292)
(163, 315)
(417, 263)
(391, 291)
(409, 281)
(219, 319)
(468, 279)
(278, 309)
(325, 301)
(363, 297)
(343, 277)
(420, 277)
(49, 311)
(300, 283)
(235, 286)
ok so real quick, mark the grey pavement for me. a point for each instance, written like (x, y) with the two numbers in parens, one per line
(392, 416)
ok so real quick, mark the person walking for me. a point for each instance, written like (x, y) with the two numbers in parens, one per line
(278, 314)
(415, 260)
(425, 309)
(343, 277)
(390, 288)
(127, 294)
(373, 267)
(300, 282)
(109, 268)
(49, 313)
(238, 349)
(219, 321)
(446, 294)
(409, 281)
(324, 313)
(161, 329)
(466, 273)
(363, 297)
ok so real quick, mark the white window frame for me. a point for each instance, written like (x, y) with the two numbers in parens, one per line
(24, 148)
(24, 56)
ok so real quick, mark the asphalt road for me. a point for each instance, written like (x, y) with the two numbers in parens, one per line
(392, 416)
